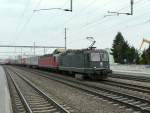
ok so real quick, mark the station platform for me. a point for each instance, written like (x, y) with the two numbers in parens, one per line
(5, 101)
(136, 70)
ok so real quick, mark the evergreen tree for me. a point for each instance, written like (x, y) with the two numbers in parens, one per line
(132, 55)
(145, 58)
(118, 48)
(122, 52)
(148, 55)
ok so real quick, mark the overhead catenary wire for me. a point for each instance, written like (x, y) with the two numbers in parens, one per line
(130, 20)
(75, 15)
(57, 8)
(103, 17)
(54, 18)
(22, 15)
(88, 6)
(137, 24)
(96, 22)
(132, 2)
(100, 21)
(61, 7)
(82, 10)
(27, 21)
(104, 5)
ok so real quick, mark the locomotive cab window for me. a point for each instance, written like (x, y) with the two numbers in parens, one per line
(104, 56)
(95, 57)
(99, 57)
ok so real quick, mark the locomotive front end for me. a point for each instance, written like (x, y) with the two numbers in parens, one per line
(99, 63)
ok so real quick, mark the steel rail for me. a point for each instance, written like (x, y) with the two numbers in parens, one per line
(131, 77)
(132, 87)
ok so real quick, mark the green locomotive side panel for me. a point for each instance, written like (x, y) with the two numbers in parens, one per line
(73, 62)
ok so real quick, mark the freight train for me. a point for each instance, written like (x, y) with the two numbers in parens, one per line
(92, 63)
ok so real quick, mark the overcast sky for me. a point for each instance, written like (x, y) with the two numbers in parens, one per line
(20, 26)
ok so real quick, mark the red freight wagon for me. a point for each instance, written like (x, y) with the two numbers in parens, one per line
(49, 61)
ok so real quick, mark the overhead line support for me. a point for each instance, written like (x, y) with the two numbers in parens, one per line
(65, 38)
(7, 46)
(71, 5)
(132, 2)
(71, 8)
(118, 13)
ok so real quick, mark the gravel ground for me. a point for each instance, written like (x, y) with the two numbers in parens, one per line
(78, 100)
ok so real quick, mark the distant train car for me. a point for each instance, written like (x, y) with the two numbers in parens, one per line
(23, 61)
(28, 61)
(86, 63)
(34, 61)
(49, 61)
(11, 61)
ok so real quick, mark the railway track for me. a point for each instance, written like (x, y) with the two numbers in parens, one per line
(29, 98)
(17, 102)
(131, 77)
(124, 99)
(138, 88)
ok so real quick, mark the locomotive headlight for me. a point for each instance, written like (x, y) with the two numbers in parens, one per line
(101, 63)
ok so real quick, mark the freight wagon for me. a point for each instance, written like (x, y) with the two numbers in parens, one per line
(49, 61)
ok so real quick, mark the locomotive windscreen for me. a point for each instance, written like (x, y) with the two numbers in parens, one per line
(95, 57)
(104, 56)
(99, 57)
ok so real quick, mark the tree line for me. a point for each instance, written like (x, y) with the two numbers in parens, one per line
(123, 53)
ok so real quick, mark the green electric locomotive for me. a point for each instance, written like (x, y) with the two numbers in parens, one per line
(92, 63)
